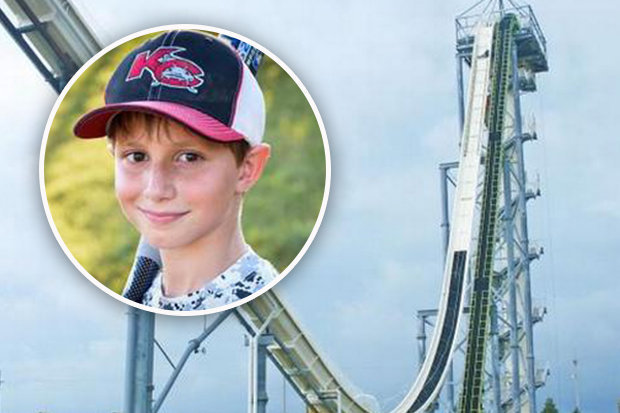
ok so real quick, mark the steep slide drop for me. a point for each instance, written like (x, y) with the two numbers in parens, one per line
(501, 78)
(462, 231)
(292, 350)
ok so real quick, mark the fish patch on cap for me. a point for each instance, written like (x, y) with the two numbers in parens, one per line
(167, 69)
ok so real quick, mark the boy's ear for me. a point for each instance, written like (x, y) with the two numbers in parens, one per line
(252, 166)
(110, 146)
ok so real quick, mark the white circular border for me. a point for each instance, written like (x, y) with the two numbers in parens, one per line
(316, 224)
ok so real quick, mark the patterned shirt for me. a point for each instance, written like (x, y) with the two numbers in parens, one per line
(246, 276)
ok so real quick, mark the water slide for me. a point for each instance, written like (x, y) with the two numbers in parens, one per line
(501, 79)
(300, 360)
(292, 350)
(458, 256)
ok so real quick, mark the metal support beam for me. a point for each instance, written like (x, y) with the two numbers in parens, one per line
(450, 388)
(445, 231)
(460, 91)
(421, 340)
(257, 389)
(191, 348)
(508, 224)
(495, 365)
(67, 67)
(262, 398)
(139, 362)
(34, 58)
(522, 211)
(445, 220)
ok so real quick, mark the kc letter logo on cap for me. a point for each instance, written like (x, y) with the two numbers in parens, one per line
(167, 69)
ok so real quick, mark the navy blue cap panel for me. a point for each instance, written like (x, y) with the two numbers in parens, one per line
(184, 67)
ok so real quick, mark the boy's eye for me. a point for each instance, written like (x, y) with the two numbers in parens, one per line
(189, 157)
(136, 157)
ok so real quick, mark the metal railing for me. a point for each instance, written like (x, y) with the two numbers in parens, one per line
(528, 23)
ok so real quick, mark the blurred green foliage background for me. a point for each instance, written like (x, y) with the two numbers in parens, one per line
(279, 212)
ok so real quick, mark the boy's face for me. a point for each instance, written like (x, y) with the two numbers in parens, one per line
(178, 189)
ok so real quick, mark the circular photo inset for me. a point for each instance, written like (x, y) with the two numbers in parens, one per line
(184, 170)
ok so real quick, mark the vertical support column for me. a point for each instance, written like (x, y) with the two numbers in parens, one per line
(445, 220)
(261, 372)
(497, 393)
(509, 232)
(257, 394)
(460, 91)
(339, 401)
(421, 340)
(575, 377)
(450, 388)
(139, 363)
(445, 231)
(528, 325)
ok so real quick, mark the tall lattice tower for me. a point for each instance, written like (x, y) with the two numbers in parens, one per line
(511, 375)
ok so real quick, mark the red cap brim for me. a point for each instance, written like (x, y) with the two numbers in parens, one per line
(94, 123)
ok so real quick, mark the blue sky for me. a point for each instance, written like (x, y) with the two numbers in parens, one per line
(383, 78)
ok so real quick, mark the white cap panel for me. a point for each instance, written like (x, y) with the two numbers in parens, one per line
(249, 117)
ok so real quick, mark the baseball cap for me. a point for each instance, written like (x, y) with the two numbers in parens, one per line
(190, 77)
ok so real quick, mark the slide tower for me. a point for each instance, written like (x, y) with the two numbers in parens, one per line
(487, 250)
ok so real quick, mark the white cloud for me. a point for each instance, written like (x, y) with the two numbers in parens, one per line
(383, 78)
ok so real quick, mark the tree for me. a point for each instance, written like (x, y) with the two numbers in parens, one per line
(550, 406)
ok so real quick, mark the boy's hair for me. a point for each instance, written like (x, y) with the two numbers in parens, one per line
(125, 121)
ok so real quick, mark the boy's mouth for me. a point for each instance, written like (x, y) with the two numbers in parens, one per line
(161, 217)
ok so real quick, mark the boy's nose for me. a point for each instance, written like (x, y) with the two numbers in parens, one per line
(159, 184)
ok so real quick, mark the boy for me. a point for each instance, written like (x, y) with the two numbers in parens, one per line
(185, 118)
